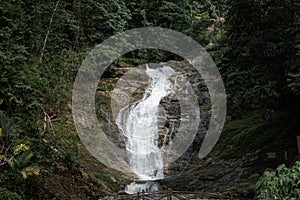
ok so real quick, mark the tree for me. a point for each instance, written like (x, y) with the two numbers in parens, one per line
(97, 21)
(261, 40)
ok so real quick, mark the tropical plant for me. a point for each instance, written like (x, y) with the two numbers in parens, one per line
(15, 154)
(283, 183)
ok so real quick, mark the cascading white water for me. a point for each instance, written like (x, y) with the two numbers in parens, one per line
(138, 122)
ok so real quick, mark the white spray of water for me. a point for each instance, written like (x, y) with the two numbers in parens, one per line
(138, 122)
(147, 187)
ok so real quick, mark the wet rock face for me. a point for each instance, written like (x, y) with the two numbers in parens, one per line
(172, 108)
(234, 177)
(169, 110)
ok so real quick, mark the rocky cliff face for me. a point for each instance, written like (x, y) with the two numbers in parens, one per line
(188, 172)
(131, 86)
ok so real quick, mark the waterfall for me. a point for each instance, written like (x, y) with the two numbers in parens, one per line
(138, 122)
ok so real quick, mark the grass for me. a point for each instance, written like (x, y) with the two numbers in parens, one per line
(256, 132)
(107, 179)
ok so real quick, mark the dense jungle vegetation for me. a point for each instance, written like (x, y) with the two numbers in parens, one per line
(255, 44)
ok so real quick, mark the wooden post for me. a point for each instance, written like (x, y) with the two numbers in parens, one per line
(285, 155)
(201, 195)
(298, 143)
(170, 194)
(143, 194)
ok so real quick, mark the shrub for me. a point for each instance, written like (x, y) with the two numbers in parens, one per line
(283, 183)
(15, 156)
(8, 195)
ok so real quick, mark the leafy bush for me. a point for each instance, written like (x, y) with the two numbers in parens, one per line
(8, 195)
(15, 155)
(294, 82)
(284, 183)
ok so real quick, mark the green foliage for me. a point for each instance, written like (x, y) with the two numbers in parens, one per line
(107, 179)
(57, 79)
(261, 39)
(294, 82)
(284, 183)
(189, 17)
(262, 129)
(16, 95)
(8, 195)
(97, 21)
(15, 155)
(294, 76)
(243, 136)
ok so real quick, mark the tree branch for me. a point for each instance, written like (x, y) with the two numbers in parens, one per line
(48, 31)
